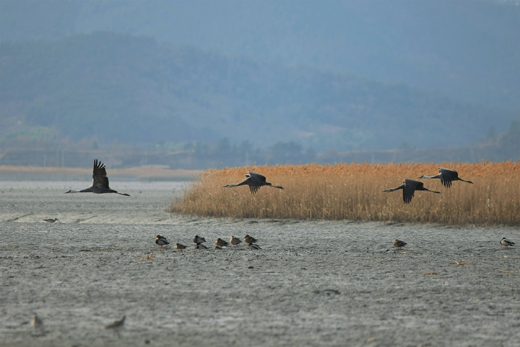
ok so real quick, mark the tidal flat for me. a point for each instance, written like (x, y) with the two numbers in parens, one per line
(314, 283)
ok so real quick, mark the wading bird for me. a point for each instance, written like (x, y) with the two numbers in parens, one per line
(409, 187)
(199, 239)
(161, 241)
(399, 244)
(254, 181)
(117, 326)
(234, 241)
(447, 176)
(179, 246)
(100, 181)
(221, 243)
(37, 324)
(506, 243)
(249, 239)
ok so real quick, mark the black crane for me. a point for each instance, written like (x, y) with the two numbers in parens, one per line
(409, 187)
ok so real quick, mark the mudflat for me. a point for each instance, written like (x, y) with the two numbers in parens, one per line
(316, 283)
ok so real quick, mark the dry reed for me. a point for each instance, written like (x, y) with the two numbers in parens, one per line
(354, 192)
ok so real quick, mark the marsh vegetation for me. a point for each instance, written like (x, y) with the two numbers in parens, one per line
(355, 192)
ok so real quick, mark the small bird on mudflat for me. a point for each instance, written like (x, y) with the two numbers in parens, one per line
(399, 244)
(200, 246)
(50, 220)
(117, 325)
(249, 239)
(506, 243)
(37, 323)
(253, 246)
(179, 247)
(161, 241)
(198, 239)
(221, 243)
(234, 241)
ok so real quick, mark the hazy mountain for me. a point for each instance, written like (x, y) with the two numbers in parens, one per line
(464, 49)
(112, 86)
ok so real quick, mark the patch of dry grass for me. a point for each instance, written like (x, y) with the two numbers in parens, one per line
(354, 192)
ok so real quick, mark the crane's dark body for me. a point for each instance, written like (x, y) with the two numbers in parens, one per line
(254, 181)
(447, 176)
(100, 181)
(409, 187)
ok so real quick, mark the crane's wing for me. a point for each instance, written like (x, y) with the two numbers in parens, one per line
(254, 189)
(257, 177)
(100, 174)
(409, 190)
(448, 175)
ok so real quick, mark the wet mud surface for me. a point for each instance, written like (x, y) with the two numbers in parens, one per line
(313, 283)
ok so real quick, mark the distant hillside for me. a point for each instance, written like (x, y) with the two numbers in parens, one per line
(465, 49)
(111, 86)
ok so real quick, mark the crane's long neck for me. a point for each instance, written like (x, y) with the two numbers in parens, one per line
(392, 189)
(460, 179)
(436, 176)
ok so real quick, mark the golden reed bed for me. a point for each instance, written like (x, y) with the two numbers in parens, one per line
(355, 192)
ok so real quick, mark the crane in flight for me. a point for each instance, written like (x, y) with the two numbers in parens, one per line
(447, 176)
(254, 181)
(100, 181)
(409, 187)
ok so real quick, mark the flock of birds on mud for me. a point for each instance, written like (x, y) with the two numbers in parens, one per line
(254, 180)
(199, 240)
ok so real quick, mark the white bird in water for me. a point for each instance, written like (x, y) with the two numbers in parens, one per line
(100, 181)
(409, 187)
(254, 181)
(447, 176)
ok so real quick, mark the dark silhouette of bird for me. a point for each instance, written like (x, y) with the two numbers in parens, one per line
(506, 243)
(234, 241)
(161, 241)
(447, 176)
(51, 220)
(199, 239)
(409, 187)
(179, 246)
(117, 326)
(200, 246)
(254, 181)
(37, 324)
(253, 246)
(100, 181)
(399, 244)
(249, 239)
(221, 243)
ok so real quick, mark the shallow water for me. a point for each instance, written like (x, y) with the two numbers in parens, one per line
(313, 283)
